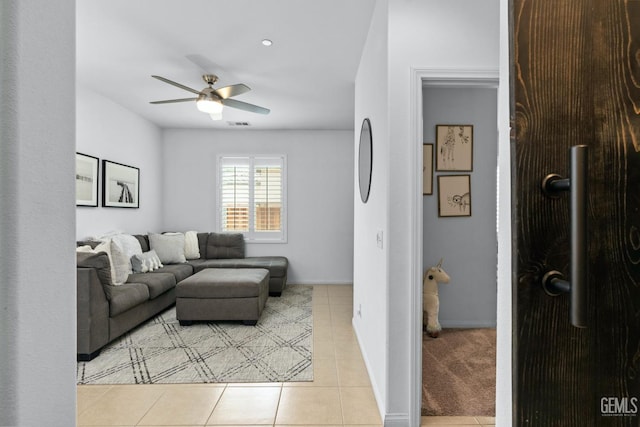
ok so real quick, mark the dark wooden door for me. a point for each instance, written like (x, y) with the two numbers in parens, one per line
(576, 80)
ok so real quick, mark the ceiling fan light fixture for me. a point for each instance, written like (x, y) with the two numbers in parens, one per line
(216, 116)
(209, 106)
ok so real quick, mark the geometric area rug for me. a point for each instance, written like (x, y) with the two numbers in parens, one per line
(160, 351)
(459, 373)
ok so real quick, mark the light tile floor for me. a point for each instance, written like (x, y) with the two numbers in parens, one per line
(339, 395)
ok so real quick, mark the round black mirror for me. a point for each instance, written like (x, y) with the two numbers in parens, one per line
(365, 160)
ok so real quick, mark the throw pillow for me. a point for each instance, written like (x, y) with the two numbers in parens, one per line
(120, 262)
(169, 247)
(129, 246)
(191, 249)
(225, 245)
(145, 262)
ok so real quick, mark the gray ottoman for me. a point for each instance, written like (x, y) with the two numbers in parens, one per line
(223, 294)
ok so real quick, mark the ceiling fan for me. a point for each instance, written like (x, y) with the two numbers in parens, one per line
(212, 101)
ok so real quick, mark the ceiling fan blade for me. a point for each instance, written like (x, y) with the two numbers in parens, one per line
(169, 101)
(233, 90)
(171, 82)
(244, 106)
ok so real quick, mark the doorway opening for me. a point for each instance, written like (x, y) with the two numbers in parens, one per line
(457, 369)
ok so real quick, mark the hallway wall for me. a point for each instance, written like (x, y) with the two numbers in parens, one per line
(370, 262)
(467, 32)
(468, 37)
(37, 213)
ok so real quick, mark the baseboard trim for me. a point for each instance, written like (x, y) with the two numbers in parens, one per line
(397, 420)
(466, 324)
(321, 282)
(374, 385)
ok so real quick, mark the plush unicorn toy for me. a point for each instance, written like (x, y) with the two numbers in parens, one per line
(430, 300)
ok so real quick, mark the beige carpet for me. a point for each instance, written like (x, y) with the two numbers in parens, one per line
(459, 373)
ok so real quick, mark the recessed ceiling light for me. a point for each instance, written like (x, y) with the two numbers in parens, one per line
(267, 42)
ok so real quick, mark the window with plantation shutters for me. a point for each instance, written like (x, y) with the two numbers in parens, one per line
(251, 197)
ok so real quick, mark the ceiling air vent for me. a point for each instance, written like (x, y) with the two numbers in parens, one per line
(238, 123)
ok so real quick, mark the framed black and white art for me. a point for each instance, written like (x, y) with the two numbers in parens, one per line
(454, 195)
(120, 185)
(86, 180)
(454, 148)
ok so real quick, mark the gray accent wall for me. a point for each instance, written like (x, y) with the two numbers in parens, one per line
(467, 244)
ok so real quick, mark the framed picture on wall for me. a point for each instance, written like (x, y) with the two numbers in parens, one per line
(454, 195)
(454, 148)
(427, 169)
(86, 180)
(120, 185)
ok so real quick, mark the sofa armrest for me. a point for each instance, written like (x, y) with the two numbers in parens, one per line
(92, 314)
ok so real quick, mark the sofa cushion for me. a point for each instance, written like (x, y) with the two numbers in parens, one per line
(143, 239)
(202, 244)
(198, 264)
(179, 271)
(99, 261)
(277, 265)
(169, 247)
(158, 283)
(126, 296)
(225, 246)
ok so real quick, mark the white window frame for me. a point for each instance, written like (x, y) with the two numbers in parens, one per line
(253, 236)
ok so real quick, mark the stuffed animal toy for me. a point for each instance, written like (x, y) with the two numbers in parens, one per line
(430, 300)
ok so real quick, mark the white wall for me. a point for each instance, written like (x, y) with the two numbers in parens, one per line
(370, 279)
(504, 407)
(468, 244)
(467, 37)
(37, 228)
(108, 131)
(319, 192)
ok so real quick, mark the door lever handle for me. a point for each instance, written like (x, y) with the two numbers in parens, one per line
(553, 282)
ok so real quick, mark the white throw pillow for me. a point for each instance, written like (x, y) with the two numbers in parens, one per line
(129, 246)
(169, 247)
(191, 248)
(120, 262)
(105, 246)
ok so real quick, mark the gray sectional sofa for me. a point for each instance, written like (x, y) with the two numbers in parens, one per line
(105, 312)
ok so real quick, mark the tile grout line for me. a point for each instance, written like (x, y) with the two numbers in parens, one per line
(226, 385)
(93, 401)
(150, 407)
(275, 416)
